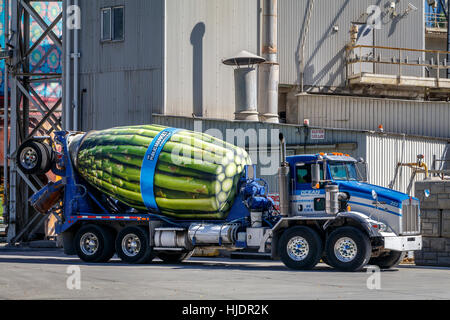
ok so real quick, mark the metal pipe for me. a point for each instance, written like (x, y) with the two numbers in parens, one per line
(67, 73)
(5, 116)
(284, 179)
(269, 70)
(76, 56)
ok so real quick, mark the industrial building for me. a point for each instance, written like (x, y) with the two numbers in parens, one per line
(370, 75)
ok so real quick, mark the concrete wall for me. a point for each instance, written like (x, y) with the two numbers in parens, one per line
(435, 221)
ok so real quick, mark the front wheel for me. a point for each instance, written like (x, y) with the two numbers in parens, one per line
(348, 249)
(388, 260)
(300, 248)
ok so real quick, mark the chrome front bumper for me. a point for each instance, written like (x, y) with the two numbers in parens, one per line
(403, 243)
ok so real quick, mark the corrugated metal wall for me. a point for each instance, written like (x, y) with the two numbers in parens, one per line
(124, 79)
(199, 34)
(382, 152)
(401, 116)
(324, 51)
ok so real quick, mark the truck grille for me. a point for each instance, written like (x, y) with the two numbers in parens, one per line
(410, 217)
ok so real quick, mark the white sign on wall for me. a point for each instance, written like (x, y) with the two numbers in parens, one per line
(317, 134)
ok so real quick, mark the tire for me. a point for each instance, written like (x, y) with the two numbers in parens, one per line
(300, 248)
(133, 245)
(101, 243)
(388, 260)
(348, 249)
(34, 157)
(174, 257)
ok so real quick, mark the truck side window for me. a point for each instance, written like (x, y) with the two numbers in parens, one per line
(304, 173)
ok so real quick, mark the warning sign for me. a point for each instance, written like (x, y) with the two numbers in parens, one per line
(317, 134)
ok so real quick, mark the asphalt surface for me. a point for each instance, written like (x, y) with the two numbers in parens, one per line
(44, 274)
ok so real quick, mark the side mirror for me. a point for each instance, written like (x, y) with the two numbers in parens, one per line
(315, 175)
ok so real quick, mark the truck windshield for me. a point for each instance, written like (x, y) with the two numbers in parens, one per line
(344, 171)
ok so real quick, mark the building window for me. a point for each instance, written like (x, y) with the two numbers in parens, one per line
(112, 24)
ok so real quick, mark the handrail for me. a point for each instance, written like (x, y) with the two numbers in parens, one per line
(436, 20)
(355, 55)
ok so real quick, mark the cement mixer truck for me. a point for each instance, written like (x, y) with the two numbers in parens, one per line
(123, 191)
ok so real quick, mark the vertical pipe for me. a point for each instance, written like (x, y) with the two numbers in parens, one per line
(5, 115)
(67, 104)
(75, 76)
(269, 70)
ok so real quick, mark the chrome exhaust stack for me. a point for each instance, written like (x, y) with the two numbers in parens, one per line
(283, 179)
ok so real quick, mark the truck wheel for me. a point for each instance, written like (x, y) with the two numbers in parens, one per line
(133, 245)
(94, 243)
(174, 257)
(300, 248)
(34, 157)
(388, 260)
(348, 249)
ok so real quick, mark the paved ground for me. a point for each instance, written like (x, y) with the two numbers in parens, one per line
(39, 274)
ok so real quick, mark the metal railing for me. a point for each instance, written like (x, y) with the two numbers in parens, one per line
(436, 20)
(358, 55)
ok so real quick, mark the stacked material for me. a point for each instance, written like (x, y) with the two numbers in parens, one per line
(193, 176)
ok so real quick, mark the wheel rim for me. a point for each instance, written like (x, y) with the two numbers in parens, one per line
(28, 158)
(131, 245)
(345, 249)
(89, 243)
(298, 248)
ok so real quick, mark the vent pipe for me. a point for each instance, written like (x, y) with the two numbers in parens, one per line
(245, 85)
(269, 76)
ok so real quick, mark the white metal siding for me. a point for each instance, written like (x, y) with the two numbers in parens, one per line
(123, 80)
(385, 151)
(401, 116)
(381, 151)
(199, 34)
(324, 50)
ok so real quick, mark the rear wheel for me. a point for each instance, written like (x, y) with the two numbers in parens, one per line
(300, 248)
(94, 243)
(132, 245)
(348, 249)
(174, 257)
(388, 259)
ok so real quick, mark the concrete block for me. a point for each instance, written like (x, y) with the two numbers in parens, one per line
(430, 256)
(446, 223)
(443, 261)
(437, 244)
(444, 204)
(431, 204)
(437, 187)
(443, 195)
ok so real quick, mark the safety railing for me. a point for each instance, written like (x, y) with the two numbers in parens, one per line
(436, 20)
(361, 58)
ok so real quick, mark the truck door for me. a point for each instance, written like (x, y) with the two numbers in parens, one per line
(305, 199)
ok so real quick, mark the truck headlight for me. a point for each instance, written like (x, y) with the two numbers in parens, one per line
(380, 226)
